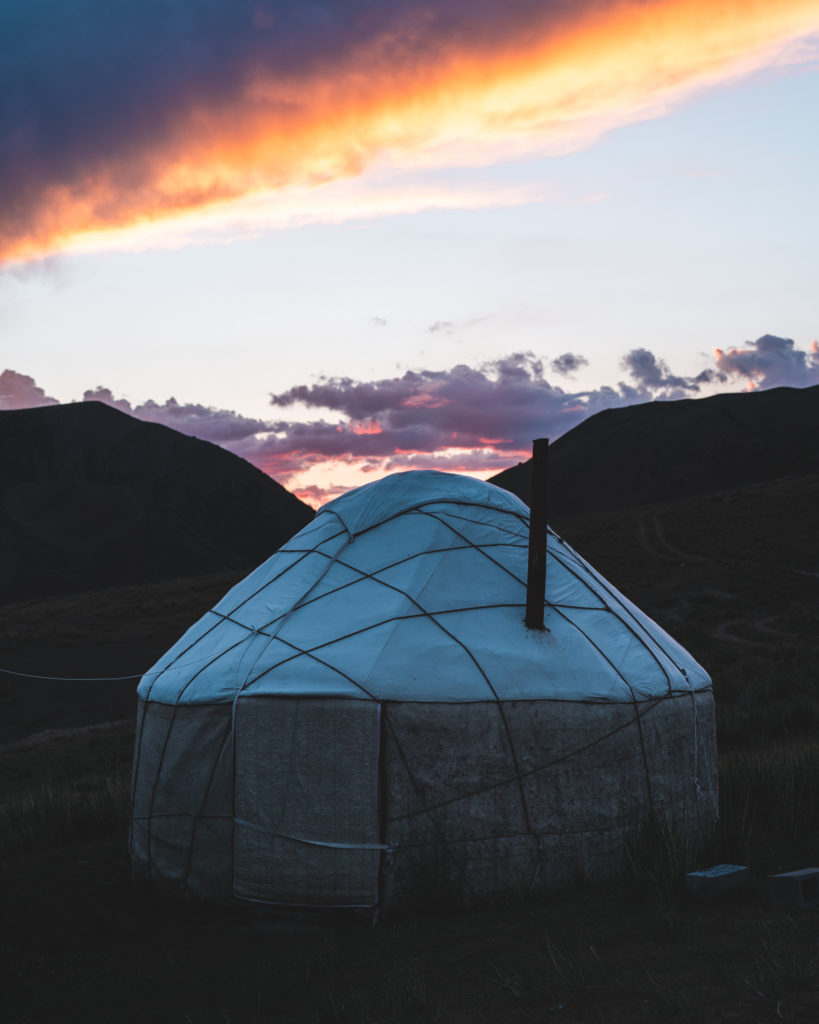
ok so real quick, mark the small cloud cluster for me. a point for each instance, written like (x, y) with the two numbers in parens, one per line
(441, 327)
(771, 362)
(221, 426)
(649, 371)
(18, 391)
(653, 375)
(568, 364)
(451, 326)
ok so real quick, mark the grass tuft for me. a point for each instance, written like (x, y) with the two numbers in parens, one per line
(57, 814)
(656, 859)
(769, 804)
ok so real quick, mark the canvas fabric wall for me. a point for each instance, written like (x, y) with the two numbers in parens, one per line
(182, 798)
(541, 793)
(480, 797)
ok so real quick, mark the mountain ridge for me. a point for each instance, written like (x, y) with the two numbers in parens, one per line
(92, 497)
(669, 450)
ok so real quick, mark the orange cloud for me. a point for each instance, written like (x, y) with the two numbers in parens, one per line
(414, 91)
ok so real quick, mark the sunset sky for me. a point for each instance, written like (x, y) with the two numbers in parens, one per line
(343, 238)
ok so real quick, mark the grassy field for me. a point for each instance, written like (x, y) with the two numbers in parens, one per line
(732, 576)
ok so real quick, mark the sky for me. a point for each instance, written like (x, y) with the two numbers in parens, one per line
(348, 238)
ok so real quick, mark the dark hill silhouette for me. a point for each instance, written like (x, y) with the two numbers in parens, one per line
(91, 497)
(667, 451)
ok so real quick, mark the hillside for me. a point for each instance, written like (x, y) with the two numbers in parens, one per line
(667, 451)
(734, 576)
(91, 497)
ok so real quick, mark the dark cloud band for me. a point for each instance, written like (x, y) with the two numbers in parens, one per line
(468, 419)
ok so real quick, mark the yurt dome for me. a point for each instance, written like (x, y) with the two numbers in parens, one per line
(369, 702)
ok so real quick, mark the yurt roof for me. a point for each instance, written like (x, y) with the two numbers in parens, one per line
(413, 588)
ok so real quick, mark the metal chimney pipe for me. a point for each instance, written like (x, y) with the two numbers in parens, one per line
(536, 578)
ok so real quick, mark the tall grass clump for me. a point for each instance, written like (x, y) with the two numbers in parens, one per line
(656, 859)
(769, 800)
(58, 814)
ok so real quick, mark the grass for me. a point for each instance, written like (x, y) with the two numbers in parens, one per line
(769, 806)
(84, 944)
(59, 814)
(84, 757)
(786, 962)
(109, 616)
(655, 864)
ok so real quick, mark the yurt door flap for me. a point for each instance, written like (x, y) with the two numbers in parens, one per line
(306, 801)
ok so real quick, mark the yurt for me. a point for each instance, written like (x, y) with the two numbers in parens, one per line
(367, 714)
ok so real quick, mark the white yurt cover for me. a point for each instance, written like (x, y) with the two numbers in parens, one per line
(413, 588)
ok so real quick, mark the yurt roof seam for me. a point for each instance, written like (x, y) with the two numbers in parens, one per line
(616, 608)
(518, 535)
(173, 663)
(430, 572)
(260, 630)
(602, 597)
(253, 631)
(422, 612)
(480, 548)
(308, 652)
(421, 506)
(600, 651)
(591, 590)
(285, 549)
(362, 575)
(643, 634)
(281, 619)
